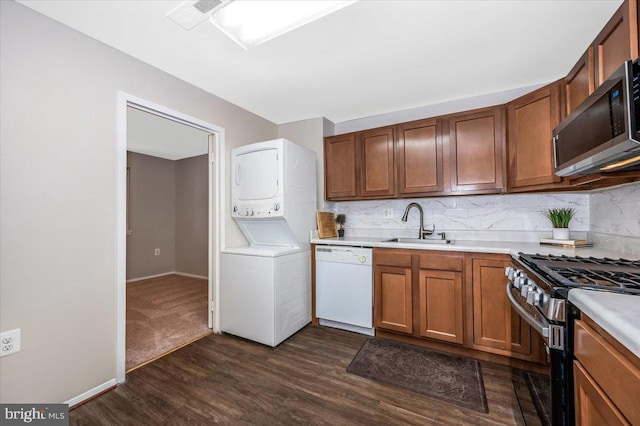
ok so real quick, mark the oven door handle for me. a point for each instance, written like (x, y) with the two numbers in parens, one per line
(542, 327)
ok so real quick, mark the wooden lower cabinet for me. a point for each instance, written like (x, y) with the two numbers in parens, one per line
(451, 300)
(441, 305)
(593, 408)
(606, 378)
(497, 327)
(393, 299)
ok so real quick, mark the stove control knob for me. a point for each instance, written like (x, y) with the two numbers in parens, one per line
(526, 288)
(535, 297)
(509, 272)
(540, 298)
(518, 282)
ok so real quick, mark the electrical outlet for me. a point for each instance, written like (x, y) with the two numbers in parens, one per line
(387, 213)
(9, 342)
(157, 252)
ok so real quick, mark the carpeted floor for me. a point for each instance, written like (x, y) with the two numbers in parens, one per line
(162, 314)
(451, 378)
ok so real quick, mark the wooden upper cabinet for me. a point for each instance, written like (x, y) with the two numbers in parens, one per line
(340, 167)
(617, 42)
(476, 144)
(376, 163)
(531, 120)
(580, 82)
(419, 158)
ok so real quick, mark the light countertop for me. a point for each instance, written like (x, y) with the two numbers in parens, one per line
(497, 247)
(617, 314)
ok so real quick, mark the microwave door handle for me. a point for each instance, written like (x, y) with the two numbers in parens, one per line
(554, 142)
(541, 328)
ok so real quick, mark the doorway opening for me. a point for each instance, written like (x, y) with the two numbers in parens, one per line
(169, 230)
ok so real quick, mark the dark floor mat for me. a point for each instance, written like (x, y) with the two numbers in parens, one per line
(540, 388)
(450, 378)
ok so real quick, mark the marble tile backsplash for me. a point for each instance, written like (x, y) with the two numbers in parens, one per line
(511, 217)
(615, 218)
(610, 218)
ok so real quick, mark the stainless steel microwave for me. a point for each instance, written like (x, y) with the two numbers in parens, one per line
(601, 135)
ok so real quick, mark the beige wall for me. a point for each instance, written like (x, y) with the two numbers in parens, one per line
(309, 133)
(192, 219)
(169, 210)
(58, 196)
(152, 214)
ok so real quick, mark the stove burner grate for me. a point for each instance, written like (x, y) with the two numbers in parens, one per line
(619, 275)
(600, 277)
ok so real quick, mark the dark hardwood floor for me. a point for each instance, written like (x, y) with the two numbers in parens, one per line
(227, 380)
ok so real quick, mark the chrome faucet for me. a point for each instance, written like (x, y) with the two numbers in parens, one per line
(421, 231)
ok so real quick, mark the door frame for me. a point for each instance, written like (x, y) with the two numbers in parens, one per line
(216, 209)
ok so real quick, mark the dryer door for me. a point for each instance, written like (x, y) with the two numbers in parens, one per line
(255, 175)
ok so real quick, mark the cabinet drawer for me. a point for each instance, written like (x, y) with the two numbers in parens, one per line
(441, 262)
(392, 257)
(611, 370)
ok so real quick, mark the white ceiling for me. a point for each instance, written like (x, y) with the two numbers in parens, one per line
(372, 57)
(159, 137)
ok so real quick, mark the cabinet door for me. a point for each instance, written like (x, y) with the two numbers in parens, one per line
(580, 82)
(476, 142)
(340, 167)
(495, 324)
(617, 42)
(419, 157)
(377, 163)
(393, 301)
(532, 119)
(441, 308)
(592, 407)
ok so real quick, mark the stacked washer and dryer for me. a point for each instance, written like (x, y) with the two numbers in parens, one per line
(265, 287)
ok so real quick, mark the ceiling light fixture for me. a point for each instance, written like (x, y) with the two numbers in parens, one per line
(250, 23)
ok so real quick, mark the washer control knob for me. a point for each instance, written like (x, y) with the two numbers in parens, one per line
(235, 209)
(276, 206)
(252, 213)
(246, 212)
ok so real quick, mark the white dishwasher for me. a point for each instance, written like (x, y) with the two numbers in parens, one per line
(344, 288)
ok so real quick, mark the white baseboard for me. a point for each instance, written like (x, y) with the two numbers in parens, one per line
(151, 276)
(184, 274)
(90, 393)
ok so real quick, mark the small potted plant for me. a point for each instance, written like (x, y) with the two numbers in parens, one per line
(340, 220)
(560, 219)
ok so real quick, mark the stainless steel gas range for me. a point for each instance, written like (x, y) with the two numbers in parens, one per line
(538, 289)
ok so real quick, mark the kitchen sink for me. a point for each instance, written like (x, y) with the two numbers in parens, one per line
(418, 241)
